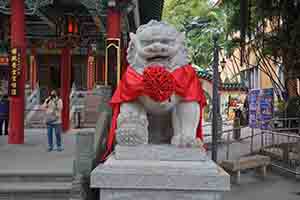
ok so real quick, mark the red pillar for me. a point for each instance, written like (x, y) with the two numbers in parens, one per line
(33, 69)
(65, 86)
(16, 115)
(113, 23)
(103, 70)
(113, 36)
(97, 69)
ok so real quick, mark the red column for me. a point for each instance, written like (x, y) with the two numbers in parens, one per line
(16, 115)
(103, 69)
(33, 69)
(65, 86)
(113, 23)
(113, 36)
(97, 70)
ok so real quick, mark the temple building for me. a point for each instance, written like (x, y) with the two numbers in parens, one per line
(54, 44)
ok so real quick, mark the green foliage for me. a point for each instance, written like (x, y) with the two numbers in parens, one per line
(182, 13)
(280, 105)
(274, 29)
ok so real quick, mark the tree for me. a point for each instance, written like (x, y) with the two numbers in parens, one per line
(183, 13)
(271, 30)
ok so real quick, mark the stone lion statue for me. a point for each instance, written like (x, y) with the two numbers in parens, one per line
(159, 99)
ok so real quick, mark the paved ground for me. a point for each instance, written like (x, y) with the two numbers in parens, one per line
(32, 156)
(274, 187)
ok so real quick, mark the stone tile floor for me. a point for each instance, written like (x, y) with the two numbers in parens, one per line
(274, 187)
(33, 157)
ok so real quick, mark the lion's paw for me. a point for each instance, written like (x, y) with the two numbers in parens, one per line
(188, 142)
(176, 140)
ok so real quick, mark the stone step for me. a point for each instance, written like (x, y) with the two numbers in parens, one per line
(35, 191)
(18, 177)
(15, 185)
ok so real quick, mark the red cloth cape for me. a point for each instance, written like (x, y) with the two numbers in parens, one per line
(130, 87)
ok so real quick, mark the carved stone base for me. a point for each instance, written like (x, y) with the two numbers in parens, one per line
(165, 173)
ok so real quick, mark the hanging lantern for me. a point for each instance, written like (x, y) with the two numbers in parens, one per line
(72, 24)
(4, 56)
(67, 28)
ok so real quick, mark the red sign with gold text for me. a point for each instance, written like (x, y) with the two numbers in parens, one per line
(14, 71)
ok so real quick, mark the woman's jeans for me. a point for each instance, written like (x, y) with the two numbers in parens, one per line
(57, 130)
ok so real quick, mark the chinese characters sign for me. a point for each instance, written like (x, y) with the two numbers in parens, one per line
(15, 71)
(260, 108)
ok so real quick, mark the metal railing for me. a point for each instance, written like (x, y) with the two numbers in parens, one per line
(282, 148)
(76, 102)
(32, 103)
(285, 124)
(33, 99)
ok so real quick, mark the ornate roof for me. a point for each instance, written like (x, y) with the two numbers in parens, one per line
(42, 16)
(207, 75)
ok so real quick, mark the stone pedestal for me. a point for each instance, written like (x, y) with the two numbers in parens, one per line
(151, 172)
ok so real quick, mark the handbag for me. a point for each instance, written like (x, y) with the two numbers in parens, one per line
(52, 116)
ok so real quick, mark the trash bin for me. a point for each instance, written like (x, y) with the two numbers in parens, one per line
(237, 128)
(237, 124)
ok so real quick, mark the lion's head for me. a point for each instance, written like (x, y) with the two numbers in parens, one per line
(157, 43)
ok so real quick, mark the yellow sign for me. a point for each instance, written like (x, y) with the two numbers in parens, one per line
(15, 69)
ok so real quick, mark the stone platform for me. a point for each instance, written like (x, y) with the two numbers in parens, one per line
(151, 172)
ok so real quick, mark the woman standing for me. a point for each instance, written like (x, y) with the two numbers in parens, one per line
(53, 105)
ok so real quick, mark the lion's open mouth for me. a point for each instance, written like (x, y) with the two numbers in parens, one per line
(158, 58)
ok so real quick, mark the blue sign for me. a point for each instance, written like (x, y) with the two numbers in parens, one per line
(261, 107)
(266, 102)
(253, 108)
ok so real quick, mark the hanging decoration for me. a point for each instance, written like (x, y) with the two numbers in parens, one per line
(4, 57)
(159, 84)
(67, 28)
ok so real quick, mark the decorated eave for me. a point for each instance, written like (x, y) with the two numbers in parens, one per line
(41, 17)
(206, 75)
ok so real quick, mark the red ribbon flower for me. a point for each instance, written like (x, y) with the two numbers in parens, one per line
(159, 84)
